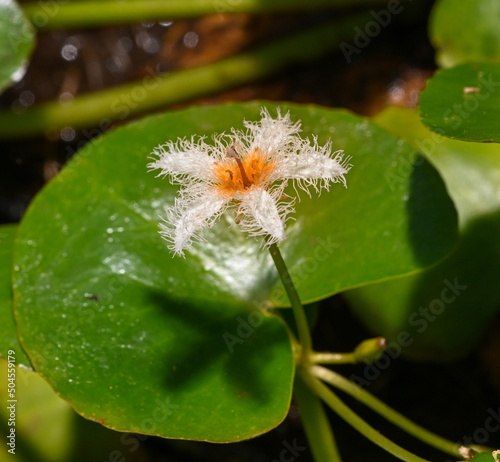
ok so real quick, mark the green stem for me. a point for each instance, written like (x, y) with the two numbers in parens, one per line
(357, 422)
(95, 13)
(316, 424)
(333, 358)
(390, 414)
(100, 108)
(298, 310)
(368, 350)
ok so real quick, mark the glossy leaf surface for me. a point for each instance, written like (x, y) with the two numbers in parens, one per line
(16, 43)
(145, 342)
(47, 429)
(463, 102)
(444, 309)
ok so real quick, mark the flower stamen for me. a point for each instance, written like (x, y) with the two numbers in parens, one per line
(246, 182)
(231, 152)
(266, 156)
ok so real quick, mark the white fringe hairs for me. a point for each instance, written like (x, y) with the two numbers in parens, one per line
(211, 182)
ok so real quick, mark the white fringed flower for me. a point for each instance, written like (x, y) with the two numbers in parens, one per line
(247, 169)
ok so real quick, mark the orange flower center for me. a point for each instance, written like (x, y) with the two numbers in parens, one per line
(236, 175)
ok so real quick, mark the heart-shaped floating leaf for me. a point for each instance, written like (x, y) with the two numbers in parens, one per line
(8, 339)
(463, 102)
(144, 342)
(16, 42)
(465, 31)
(444, 309)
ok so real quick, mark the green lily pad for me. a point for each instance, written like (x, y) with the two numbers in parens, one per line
(16, 42)
(8, 339)
(463, 102)
(144, 342)
(444, 309)
(465, 31)
(394, 198)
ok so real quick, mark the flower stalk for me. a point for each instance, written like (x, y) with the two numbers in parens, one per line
(354, 420)
(298, 310)
(307, 389)
(436, 441)
(316, 425)
(249, 170)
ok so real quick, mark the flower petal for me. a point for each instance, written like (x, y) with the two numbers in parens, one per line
(184, 158)
(263, 213)
(267, 155)
(270, 135)
(313, 165)
(189, 215)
